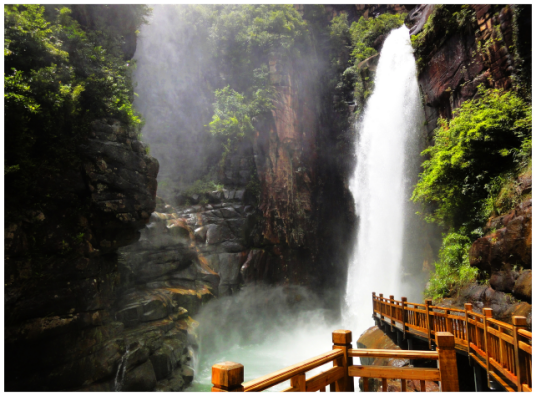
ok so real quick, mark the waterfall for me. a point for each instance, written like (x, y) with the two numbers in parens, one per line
(387, 145)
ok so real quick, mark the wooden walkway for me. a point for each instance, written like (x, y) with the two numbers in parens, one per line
(503, 350)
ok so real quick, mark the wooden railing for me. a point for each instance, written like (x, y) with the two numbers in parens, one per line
(229, 376)
(503, 350)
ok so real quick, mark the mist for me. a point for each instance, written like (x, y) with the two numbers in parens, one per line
(265, 329)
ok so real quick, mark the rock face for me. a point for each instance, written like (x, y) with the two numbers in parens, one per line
(375, 338)
(60, 332)
(455, 64)
(505, 253)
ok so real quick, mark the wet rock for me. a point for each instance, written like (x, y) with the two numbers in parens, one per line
(200, 234)
(523, 286)
(140, 379)
(217, 234)
(188, 374)
(232, 247)
(162, 363)
(503, 281)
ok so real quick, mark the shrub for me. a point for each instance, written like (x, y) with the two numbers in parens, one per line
(452, 271)
(486, 138)
(365, 31)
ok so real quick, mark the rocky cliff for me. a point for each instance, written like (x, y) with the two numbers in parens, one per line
(486, 47)
(60, 329)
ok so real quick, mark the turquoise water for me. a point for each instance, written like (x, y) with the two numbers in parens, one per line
(307, 336)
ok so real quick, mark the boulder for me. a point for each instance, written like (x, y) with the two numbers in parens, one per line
(140, 379)
(217, 234)
(162, 363)
(523, 286)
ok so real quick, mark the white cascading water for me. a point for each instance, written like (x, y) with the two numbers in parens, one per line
(387, 139)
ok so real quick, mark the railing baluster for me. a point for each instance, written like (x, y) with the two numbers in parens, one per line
(365, 384)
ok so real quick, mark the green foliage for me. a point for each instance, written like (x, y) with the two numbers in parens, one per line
(58, 78)
(365, 32)
(487, 137)
(203, 186)
(452, 271)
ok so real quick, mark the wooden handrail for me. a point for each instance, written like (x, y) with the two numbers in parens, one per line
(275, 378)
(228, 376)
(502, 349)
(388, 353)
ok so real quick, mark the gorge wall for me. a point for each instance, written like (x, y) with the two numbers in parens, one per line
(67, 322)
(489, 50)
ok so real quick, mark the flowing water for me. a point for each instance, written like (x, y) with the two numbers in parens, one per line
(387, 142)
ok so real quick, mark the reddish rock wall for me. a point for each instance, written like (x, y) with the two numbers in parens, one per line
(456, 66)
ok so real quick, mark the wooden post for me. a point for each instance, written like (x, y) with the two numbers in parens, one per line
(428, 302)
(468, 307)
(373, 303)
(298, 381)
(446, 363)
(404, 316)
(488, 313)
(227, 377)
(381, 306)
(519, 322)
(391, 311)
(342, 339)
(448, 322)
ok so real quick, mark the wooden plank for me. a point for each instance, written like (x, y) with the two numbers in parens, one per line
(322, 380)
(499, 323)
(478, 350)
(384, 384)
(497, 333)
(403, 385)
(502, 382)
(427, 374)
(432, 355)
(525, 347)
(450, 309)
(503, 371)
(423, 386)
(525, 333)
(526, 388)
(476, 359)
(279, 376)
